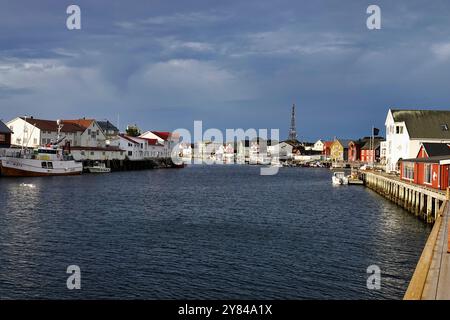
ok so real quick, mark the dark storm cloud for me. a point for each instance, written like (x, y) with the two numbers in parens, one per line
(163, 64)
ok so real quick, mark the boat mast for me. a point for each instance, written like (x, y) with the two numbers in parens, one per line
(58, 122)
(23, 135)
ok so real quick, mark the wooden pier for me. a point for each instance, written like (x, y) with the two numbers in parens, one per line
(431, 278)
(424, 202)
(128, 165)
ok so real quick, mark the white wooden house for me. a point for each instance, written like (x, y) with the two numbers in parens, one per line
(406, 130)
(32, 132)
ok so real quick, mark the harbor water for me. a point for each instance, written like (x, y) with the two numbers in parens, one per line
(207, 232)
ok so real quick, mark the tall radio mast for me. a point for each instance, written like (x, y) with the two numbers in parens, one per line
(292, 129)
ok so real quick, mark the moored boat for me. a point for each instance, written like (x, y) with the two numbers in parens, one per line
(339, 178)
(45, 161)
(98, 167)
(49, 160)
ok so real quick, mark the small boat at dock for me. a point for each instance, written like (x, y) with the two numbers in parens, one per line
(339, 178)
(98, 167)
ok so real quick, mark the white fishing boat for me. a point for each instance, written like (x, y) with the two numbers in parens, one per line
(50, 160)
(98, 167)
(339, 178)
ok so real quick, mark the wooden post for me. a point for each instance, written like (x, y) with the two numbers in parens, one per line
(422, 203)
(412, 202)
(388, 188)
(397, 193)
(416, 203)
(436, 208)
(429, 207)
(405, 204)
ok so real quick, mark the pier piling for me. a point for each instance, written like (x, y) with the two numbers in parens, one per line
(420, 201)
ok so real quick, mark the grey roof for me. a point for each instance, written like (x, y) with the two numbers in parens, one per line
(367, 145)
(4, 128)
(424, 123)
(106, 125)
(344, 142)
(437, 149)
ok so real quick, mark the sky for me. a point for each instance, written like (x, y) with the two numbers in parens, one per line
(231, 64)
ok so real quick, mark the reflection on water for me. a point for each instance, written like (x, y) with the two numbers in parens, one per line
(203, 232)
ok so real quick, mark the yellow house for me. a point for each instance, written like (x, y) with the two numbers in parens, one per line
(339, 150)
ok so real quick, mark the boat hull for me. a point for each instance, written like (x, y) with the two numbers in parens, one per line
(98, 170)
(29, 168)
(339, 181)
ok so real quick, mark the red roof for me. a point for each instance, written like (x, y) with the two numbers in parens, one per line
(328, 144)
(51, 125)
(84, 123)
(129, 138)
(162, 134)
(151, 142)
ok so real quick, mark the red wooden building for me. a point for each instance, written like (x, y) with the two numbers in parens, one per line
(364, 149)
(370, 151)
(430, 168)
(327, 148)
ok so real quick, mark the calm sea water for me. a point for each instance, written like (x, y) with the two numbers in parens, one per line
(203, 232)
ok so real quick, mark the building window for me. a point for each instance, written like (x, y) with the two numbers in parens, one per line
(408, 170)
(2, 138)
(427, 173)
(399, 130)
(130, 153)
(35, 141)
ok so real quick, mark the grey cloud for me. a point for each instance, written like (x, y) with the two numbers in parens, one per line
(230, 63)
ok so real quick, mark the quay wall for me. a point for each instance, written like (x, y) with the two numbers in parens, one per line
(426, 203)
(128, 165)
